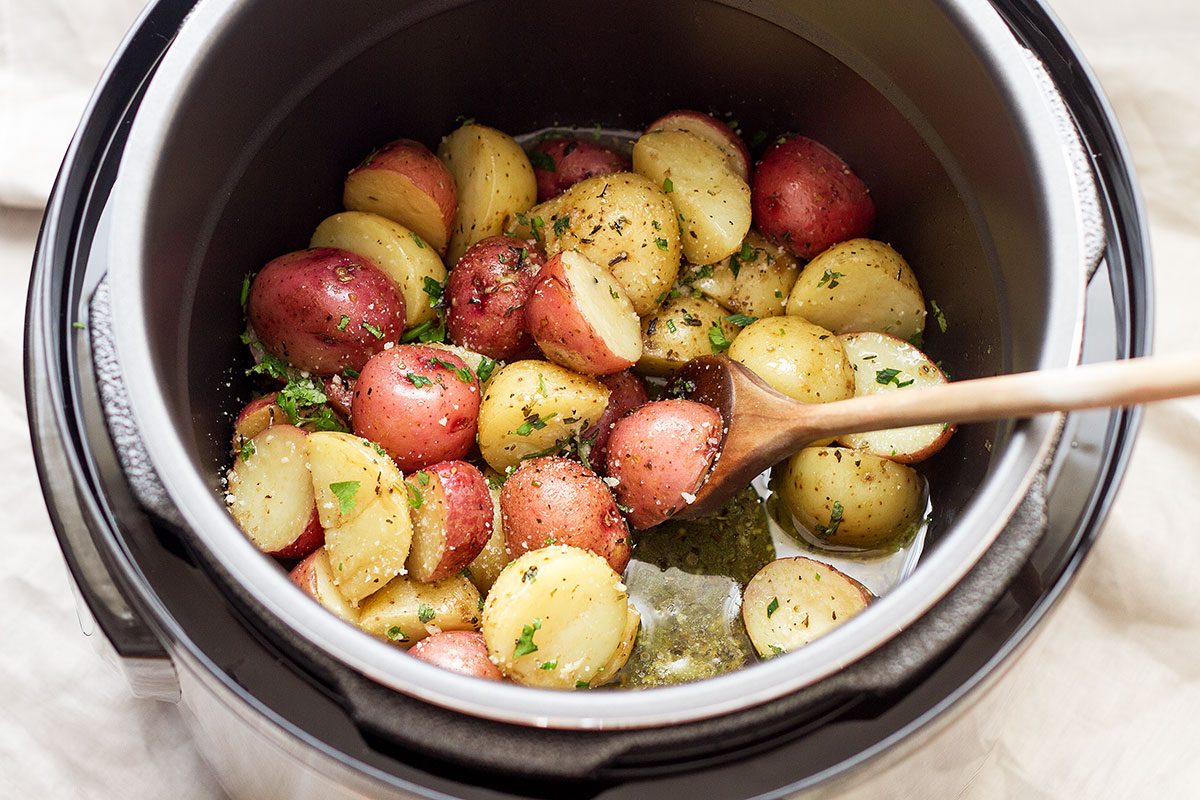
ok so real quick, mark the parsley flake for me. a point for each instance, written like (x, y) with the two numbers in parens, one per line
(542, 161)
(939, 316)
(830, 278)
(835, 521)
(533, 423)
(548, 665)
(716, 337)
(343, 322)
(248, 449)
(889, 375)
(245, 289)
(668, 186)
(345, 492)
(661, 243)
(525, 644)
(435, 289)
(741, 320)
(418, 380)
(396, 634)
(772, 607)
(420, 242)
(416, 498)
(485, 369)
(561, 224)
(374, 330)
(425, 613)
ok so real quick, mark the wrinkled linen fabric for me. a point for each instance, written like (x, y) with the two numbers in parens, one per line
(1104, 703)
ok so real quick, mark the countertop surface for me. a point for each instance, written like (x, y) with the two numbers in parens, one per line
(1103, 704)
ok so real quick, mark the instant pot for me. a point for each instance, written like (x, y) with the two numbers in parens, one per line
(219, 137)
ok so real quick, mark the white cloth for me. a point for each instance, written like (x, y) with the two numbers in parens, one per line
(1103, 705)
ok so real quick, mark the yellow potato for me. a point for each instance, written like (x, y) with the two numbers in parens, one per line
(792, 601)
(760, 285)
(633, 623)
(556, 618)
(796, 357)
(370, 549)
(850, 498)
(494, 557)
(494, 179)
(403, 256)
(680, 331)
(713, 202)
(529, 405)
(348, 473)
(860, 285)
(404, 612)
(622, 221)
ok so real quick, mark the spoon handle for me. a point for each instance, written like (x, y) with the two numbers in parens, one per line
(1024, 394)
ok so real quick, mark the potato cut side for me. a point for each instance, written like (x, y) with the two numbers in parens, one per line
(271, 492)
(792, 601)
(712, 201)
(315, 576)
(256, 417)
(883, 363)
(369, 550)
(430, 520)
(402, 254)
(404, 612)
(348, 473)
(714, 132)
(556, 617)
(633, 623)
(397, 197)
(683, 329)
(755, 281)
(529, 406)
(495, 181)
(494, 557)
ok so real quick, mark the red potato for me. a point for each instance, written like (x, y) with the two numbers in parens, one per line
(464, 652)
(560, 162)
(270, 494)
(713, 130)
(324, 310)
(626, 392)
(487, 292)
(256, 417)
(421, 404)
(554, 500)
(340, 391)
(452, 519)
(581, 318)
(408, 184)
(659, 455)
(805, 198)
(314, 575)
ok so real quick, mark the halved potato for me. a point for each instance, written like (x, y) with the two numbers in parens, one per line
(754, 281)
(258, 415)
(530, 405)
(316, 577)
(402, 254)
(494, 179)
(458, 651)
(370, 549)
(581, 318)
(494, 557)
(792, 601)
(452, 519)
(796, 357)
(633, 623)
(711, 129)
(883, 363)
(712, 201)
(683, 329)
(348, 473)
(270, 493)
(860, 285)
(556, 618)
(405, 611)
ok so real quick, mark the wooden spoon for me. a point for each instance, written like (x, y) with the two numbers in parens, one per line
(765, 426)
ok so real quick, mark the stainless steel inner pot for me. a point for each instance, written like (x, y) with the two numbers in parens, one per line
(258, 108)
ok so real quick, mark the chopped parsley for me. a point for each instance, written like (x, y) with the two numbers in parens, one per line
(485, 369)
(535, 227)
(717, 338)
(422, 477)
(681, 389)
(745, 255)
(418, 240)
(345, 492)
(691, 320)
(374, 330)
(542, 161)
(416, 498)
(530, 575)
(772, 607)
(889, 375)
(835, 521)
(248, 449)
(561, 224)
(79, 326)
(661, 243)
(668, 186)
(583, 685)
(304, 392)
(271, 366)
(741, 320)
(939, 316)
(396, 634)
(418, 380)
(548, 665)
(245, 289)
(830, 278)
(671, 326)
(532, 423)
(375, 446)
(343, 322)
(525, 644)
(463, 373)
(917, 340)
(425, 613)
(431, 330)
(776, 650)
(614, 294)
(436, 291)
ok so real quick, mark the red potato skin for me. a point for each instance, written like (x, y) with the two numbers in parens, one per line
(626, 392)
(574, 160)
(561, 331)
(417, 425)
(309, 540)
(657, 453)
(553, 500)
(340, 391)
(420, 165)
(297, 302)
(684, 119)
(256, 417)
(468, 514)
(458, 651)
(487, 290)
(806, 199)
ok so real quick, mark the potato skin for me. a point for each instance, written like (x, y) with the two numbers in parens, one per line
(679, 332)
(488, 290)
(423, 174)
(464, 652)
(394, 612)
(552, 500)
(626, 392)
(761, 285)
(573, 160)
(660, 454)
(417, 424)
(799, 359)
(316, 309)
(805, 198)
(314, 575)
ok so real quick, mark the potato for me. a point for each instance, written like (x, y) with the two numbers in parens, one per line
(754, 281)
(315, 577)
(401, 254)
(348, 474)
(659, 454)
(420, 403)
(623, 221)
(683, 329)
(270, 493)
(494, 179)
(452, 519)
(371, 548)
(481, 365)
(557, 501)
(555, 618)
(805, 198)
(883, 363)
(529, 406)
(633, 622)
(792, 601)
(581, 318)
(339, 392)
(458, 651)
(795, 357)
(487, 294)
(560, 162)
(626, 392)
(712, 130)
(405, 611)
(860, 285)
(324, 310)
(494, 557)
(257, 415)
(850, 498)
(713, 201)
